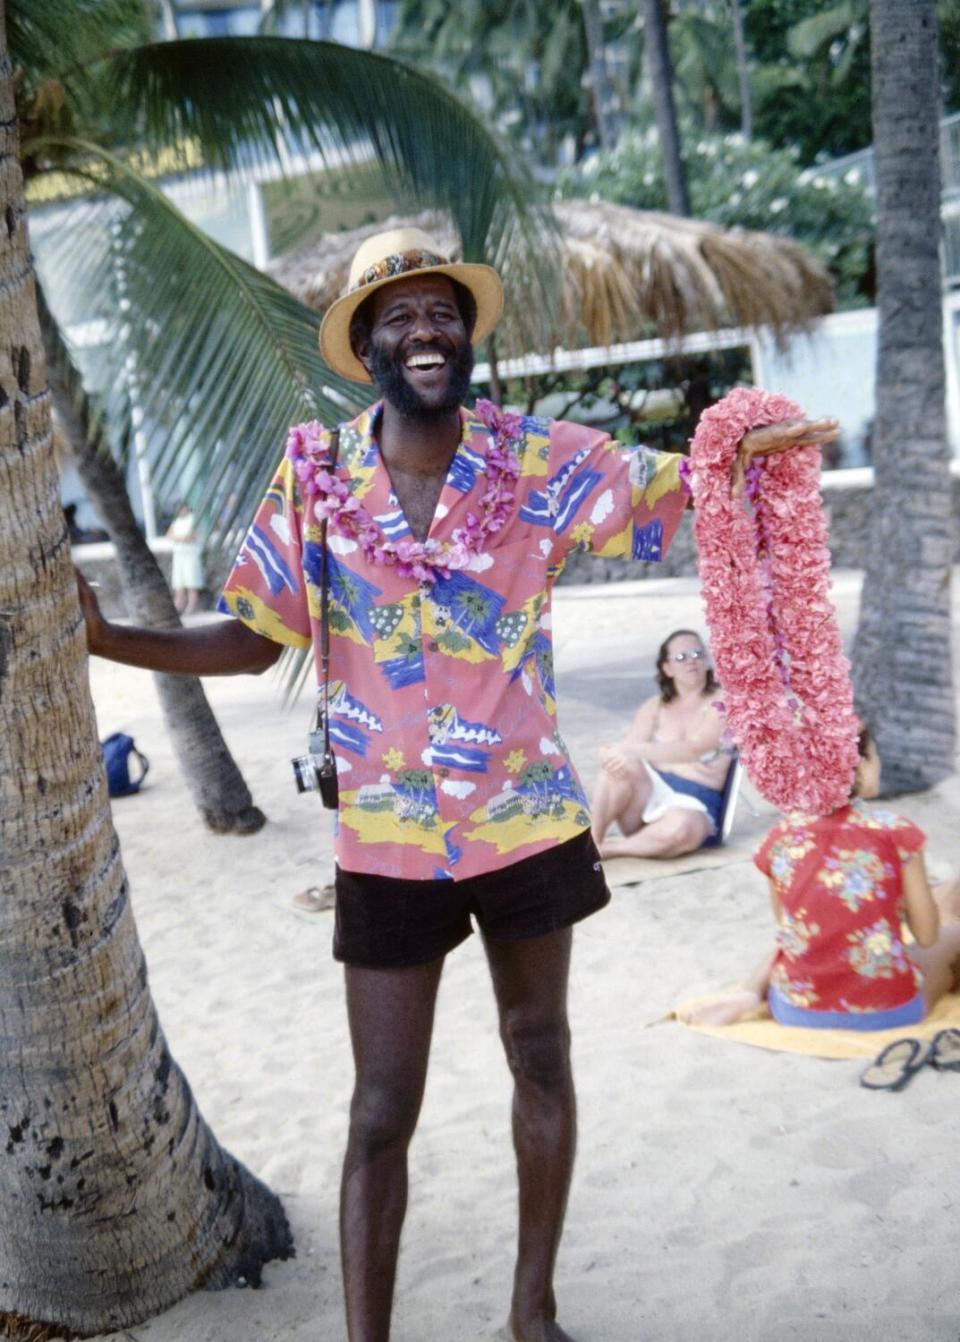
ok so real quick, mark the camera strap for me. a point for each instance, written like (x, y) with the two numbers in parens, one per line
(324, 712)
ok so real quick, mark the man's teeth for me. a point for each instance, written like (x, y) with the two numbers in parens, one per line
(425, 361)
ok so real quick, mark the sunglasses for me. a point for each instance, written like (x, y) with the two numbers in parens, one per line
(697, 656)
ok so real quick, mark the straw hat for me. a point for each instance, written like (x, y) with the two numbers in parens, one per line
(396, 255)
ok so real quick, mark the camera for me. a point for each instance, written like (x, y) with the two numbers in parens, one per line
(317, 771)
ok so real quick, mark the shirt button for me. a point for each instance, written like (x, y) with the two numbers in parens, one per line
(433, 645)
(444, 773)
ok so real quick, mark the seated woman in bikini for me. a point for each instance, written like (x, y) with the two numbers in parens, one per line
(662, 783)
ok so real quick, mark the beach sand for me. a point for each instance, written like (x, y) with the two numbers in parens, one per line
(721, 1192)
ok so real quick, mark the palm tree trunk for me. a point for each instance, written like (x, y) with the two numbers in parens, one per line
(218, 788)
(604, 97)
(743, 70)
(902, 664)
(115, 1198)
(656, 52)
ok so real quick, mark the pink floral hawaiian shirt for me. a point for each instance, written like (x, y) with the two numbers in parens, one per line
(443, 711)
(839, 881)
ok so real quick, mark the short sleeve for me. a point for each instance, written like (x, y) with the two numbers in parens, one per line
(609, 499)
(266, 587)
(761, 858)
(908, 837)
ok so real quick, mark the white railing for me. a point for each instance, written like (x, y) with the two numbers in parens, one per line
(860, 167)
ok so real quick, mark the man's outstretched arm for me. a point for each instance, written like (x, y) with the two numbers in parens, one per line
(226, 648)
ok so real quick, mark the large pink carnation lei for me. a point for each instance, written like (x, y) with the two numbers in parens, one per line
(765, 575)
(332, 499)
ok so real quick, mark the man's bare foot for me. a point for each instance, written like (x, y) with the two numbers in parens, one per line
(536, 1330)
(721, 1009)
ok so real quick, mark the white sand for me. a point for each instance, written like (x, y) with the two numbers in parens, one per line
(721, 1192)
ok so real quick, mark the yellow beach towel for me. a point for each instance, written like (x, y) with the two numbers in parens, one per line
(762, 1031)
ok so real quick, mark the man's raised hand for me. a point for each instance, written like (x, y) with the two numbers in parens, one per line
(779, 438)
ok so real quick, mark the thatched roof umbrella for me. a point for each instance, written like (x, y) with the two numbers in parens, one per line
(626, 274)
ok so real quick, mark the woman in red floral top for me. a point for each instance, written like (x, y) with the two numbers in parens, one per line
(840, 885)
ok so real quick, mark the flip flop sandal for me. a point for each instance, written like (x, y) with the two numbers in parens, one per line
(315, 899)
(892, 1068)
(945, 1050)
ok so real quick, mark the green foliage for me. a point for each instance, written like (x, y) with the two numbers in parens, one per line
(812, 71)
(236, 97)
(812, 80)
(525, 60)
(704, 64)
(223, 358)
(751, 185)
(657, 402)
(52, 40)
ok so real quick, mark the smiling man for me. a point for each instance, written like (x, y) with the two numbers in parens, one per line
(446, 531)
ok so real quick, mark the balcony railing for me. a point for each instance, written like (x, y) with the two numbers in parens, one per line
(860, 167)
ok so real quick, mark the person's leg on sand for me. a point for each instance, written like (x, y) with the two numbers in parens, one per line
(731, 1005)
(678, 831)
(530, 982)
(391, 1021)
(620, 800)
(946, 895)
(939, 963)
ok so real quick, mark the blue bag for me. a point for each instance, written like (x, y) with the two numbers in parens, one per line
(117, 750)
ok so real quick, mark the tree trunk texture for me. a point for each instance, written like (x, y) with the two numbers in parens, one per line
(211, 773)
(115, 1199)
(656, 53)
(604, 96)
(902, 663)
(743, 70)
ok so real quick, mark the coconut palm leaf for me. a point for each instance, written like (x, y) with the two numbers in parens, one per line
(49, 39)
(246, 99)
(705, 59)
(812, 34)
(215, 357)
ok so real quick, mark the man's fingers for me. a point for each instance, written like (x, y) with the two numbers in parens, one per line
(738, 477)
(790, 431)
(817, 440)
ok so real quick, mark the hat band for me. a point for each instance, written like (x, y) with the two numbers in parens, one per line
(398, 264)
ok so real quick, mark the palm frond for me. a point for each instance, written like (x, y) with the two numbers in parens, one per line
(47, 38)
(214, 357)
(249, 99)
(812, 34)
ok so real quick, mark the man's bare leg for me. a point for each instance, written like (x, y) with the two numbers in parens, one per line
(530, 983)
(391, 1020)
(675, 833)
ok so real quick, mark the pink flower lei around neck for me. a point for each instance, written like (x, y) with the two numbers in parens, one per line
(765, 575)
(424, 560)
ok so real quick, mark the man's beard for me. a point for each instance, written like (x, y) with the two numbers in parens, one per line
(387, 373)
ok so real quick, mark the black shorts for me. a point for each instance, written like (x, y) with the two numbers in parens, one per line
(387, 923)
